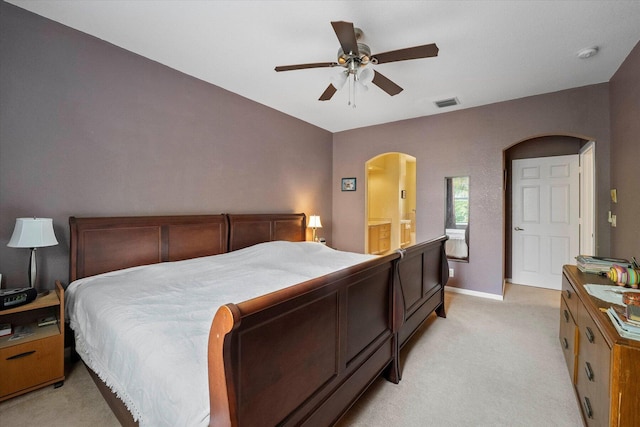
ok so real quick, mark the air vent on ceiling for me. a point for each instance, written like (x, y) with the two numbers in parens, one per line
(447, 102)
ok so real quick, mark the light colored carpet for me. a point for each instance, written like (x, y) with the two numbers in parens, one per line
(78, 403)
(489, 363)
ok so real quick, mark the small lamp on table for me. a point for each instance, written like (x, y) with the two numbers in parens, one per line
(314, 223)
(33, 233)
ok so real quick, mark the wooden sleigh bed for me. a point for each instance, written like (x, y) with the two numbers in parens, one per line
(298, 356)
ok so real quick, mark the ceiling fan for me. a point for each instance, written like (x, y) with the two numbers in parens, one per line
(355, 56)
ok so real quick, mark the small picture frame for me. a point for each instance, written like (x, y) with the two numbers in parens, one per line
(348, 184)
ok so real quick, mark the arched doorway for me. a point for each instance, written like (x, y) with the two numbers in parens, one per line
(390, 214)
(549, 146)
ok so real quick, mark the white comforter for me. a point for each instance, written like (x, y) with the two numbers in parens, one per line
(144, 330)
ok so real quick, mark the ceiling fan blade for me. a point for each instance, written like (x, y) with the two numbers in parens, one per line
(305, 66)
(328, 93)
(416, 52)
(346, 36)
(385, 84)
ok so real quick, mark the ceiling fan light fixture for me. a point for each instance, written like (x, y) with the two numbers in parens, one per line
(362, 58)
(339, 80)
(361, 86)
(366, 76)
(342, 57)
(365, 53)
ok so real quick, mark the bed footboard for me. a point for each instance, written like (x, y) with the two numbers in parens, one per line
(422, 273)
(303, 355)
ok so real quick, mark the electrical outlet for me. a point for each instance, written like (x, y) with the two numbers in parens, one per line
(451, 272)
(613, 220)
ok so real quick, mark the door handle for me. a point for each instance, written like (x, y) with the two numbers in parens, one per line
(519, 229)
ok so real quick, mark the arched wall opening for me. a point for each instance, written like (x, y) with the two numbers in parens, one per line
(390, 202)
(539, 146)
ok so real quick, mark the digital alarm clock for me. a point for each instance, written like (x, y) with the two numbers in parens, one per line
(10, 298)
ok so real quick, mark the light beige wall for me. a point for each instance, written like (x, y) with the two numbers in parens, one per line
(469, 142)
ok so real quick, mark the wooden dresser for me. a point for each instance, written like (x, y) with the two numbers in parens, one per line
(604, 367)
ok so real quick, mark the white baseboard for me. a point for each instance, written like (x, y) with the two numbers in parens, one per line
(474, 293)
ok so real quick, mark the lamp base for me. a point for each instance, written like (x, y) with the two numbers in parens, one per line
(33, 270)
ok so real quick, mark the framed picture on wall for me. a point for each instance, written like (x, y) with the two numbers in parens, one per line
(348, 184)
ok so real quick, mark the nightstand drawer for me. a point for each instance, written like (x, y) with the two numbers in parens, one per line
(30, 364)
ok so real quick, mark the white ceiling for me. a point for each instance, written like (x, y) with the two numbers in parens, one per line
(490, 51)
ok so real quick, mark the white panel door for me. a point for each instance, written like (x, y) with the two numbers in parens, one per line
(545, 212)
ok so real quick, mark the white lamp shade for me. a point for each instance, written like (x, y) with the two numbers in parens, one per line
(33, 233)
(314, 222)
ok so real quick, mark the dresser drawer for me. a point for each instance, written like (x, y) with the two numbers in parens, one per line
(570, 296)
(593, 371)
(568, 331)
(30, 364)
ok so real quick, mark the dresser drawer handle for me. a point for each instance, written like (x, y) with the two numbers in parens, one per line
(568, 294)
(589, 333)
(566, 343)
(588, 370)
(587, 407)
(566, 316)
(21, 355)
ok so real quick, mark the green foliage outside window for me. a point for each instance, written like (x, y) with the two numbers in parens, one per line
(461, 199)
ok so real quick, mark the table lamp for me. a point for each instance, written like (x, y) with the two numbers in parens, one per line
(314, 222)
(33, 233)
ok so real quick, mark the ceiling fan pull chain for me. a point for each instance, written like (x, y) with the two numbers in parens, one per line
(351, 87)
(354, 90)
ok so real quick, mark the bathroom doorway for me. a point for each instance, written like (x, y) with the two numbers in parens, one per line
(390, 214)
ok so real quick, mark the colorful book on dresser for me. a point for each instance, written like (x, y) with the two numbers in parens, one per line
(593, 264)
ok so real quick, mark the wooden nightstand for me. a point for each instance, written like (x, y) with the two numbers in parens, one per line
(36, 360)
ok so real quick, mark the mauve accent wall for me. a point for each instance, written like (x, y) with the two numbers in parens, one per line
(625, 156)
(470, 142)
(90, 129)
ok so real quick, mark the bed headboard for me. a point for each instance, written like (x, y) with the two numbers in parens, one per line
(250, 229)
(102, 244)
